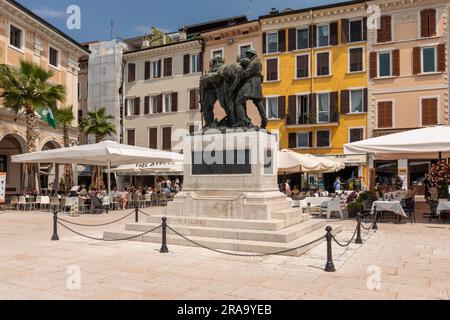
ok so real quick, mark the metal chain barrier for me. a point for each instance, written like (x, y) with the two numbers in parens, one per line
(348, 243)
(145, 214)
(95, 225)
(242, 254)
(108, 240)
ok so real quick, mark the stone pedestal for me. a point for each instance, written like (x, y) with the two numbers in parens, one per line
(231, 175)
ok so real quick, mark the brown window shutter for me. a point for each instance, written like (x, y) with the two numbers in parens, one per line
(333, 33)
(292, 140)
(396, 62)
(424, 31)
(366, 100)
(272, 69)
(373, 65)
(388, 29)
(431, 22)
(147, 70)
(264, 42)
(429, 112)
(131, 137)
(159, 69)
(302, 66)
(345, 28)
(292, 106)
(441, 57)
(167, 139)
(417, 65)
(126, 107)
(282, 107)
(153, 138)
(174, 101)
(385, 114)
(334, 105)
(160, 103)
(192, 99)
(312, 36)
(364, 29)
(147, 105)
(137, 106)
(292, 39)
(168, 67)
(282, 40)
(345, 102)
(380, 31)
(186, 63)
(131, 72)
(310, 139)
(312, 108)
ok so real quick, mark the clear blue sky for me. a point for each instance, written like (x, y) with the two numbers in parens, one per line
(135, 17)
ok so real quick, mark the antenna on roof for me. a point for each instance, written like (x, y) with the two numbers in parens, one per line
(112, 28)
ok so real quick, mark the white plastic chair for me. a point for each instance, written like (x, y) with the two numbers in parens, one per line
(23, 203)
(106, 202)
(45, 202)
(331, 206)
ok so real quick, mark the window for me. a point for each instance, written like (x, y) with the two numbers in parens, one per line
(303, 109)
(130, 107)
(302, 66)
(323, 36)
(272, 108)
(385, 64)
(323, 139)
(16, 37)
(168, 102)
(429, 112)
(272, 69)
(53, 57)
(156, 69)
(356, 31)
(131, 72)
(428, 23)
(356, 134)
(385, 114)
(154, 103)
(323, 64)
(272, 42)
(131, 137)
(217, 53)
(323, 107)
(303, 38)
(303, 140)
(429, 60)
(356, 58)
(243, 50)
(195, 62)
(194, 99)
(356, 101)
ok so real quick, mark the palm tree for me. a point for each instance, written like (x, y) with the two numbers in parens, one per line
(25, 91)
(97, 123)
(66, 117)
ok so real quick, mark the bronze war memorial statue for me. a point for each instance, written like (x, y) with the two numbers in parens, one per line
(233, 85)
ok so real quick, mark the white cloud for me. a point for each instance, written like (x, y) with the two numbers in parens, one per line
(46, 12)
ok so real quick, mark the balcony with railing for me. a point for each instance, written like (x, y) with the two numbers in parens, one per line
(315, 118)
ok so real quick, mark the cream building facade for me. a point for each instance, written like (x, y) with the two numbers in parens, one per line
(161, 95)
(23, 35)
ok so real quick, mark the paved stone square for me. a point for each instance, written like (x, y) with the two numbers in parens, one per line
(412, 261)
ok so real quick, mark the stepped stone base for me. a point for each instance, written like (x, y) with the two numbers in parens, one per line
(235, 207)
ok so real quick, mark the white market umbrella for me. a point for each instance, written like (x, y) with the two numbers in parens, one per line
(150, 168)
(426, 143)
(106, 153)
(294, 162)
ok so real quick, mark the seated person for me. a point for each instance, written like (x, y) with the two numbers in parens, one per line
(296, 193)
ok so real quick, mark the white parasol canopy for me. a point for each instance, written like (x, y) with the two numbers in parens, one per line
(426, 143)
(106, 153)
(294, 162)
(150, 168)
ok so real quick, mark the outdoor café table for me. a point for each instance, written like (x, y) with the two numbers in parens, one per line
(391, 206)
(443, 206)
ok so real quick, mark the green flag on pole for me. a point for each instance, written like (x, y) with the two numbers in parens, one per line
(47, 115)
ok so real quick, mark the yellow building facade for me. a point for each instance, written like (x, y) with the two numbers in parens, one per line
(316, 78)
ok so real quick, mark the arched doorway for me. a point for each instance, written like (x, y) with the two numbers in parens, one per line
(49, 173)
(12, 144)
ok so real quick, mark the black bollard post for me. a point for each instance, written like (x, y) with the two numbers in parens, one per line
(330, 265)
(136, 210)
(375, 225)
(358, 230)
(164, 248)
(55, 226)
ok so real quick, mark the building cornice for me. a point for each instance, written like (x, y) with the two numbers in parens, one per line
(163, 50)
